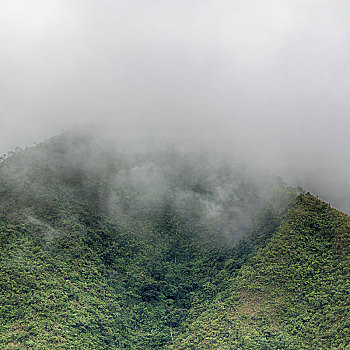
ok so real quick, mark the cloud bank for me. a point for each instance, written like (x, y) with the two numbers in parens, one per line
(265, 79)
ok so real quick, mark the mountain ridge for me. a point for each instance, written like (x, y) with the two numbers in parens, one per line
(105, 248)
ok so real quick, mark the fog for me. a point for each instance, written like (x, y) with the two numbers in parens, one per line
(266, 80)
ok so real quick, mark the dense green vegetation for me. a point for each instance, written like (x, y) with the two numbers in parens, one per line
(293, 294)
(103, 247)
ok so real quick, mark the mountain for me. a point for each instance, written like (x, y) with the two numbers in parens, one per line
(122, 245)
(292, 294)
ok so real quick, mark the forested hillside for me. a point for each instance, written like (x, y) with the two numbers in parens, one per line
(292, 294)
(115, 246)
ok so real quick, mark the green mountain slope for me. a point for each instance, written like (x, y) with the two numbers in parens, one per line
(293, 294)
(107, 246)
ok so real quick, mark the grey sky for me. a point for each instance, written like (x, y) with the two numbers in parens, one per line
(268, 78)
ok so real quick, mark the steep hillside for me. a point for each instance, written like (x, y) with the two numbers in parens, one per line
(114, 246)
(293, 294)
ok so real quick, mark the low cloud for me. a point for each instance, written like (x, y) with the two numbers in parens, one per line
(265, 80)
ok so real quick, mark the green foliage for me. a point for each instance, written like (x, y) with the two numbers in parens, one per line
(94, 256)
(292, 294)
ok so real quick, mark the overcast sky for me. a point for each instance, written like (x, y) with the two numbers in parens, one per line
(270, 78)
